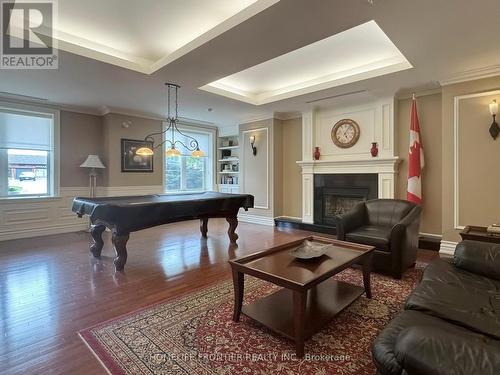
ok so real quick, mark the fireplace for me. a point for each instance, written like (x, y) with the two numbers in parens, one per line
(336, 194)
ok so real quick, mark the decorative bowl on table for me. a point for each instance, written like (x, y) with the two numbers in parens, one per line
(310, 250)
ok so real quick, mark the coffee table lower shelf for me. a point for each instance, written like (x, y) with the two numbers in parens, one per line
(324, 301)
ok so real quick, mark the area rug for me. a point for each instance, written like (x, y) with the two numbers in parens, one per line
(194, 334)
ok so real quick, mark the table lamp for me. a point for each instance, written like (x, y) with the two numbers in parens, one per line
(92, 162)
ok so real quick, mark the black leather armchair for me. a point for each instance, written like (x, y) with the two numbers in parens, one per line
(391, 225)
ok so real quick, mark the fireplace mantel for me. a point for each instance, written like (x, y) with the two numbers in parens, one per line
(374, 165)
(376, 120)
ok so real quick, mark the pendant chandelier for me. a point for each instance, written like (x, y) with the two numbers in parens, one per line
(170, 131)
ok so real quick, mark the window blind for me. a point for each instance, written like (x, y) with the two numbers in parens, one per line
(27, 131)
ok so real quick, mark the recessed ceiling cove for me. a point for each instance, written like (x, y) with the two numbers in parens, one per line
(359, 53)
(146, 35)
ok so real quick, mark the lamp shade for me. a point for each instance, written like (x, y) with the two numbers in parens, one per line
(92, 161)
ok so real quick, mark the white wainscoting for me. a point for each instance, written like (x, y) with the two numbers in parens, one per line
(31, 217)
(120, 191)
(255, 219)
(22, 218)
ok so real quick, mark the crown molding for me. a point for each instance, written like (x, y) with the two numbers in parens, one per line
(105, 110)
(409, 94)
(472, 75)
(42, 102)
(283, 116)
(258, 118)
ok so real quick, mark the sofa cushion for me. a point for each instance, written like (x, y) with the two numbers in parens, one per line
(478, 257)
(460, 297)
(443, 270)
(418, 343)
(439, 349)
(371, 235)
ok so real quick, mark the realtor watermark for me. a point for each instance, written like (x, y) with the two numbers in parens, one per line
(27, 34)
(254, 357)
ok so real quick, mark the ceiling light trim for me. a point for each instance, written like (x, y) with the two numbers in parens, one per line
(90, 49)
(273, 96)
(386, 61)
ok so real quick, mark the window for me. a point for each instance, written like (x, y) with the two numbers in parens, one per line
(26, 152)
(188, 173)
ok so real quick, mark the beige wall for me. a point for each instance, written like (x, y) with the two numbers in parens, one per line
(81, 135)
(429, 111)
(292, 173)
(479, 172)
(278, 158)
(480, 152)
(113, 132)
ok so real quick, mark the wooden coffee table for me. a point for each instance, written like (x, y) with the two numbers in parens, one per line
(309, 298)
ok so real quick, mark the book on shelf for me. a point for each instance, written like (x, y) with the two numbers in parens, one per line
(229, 180)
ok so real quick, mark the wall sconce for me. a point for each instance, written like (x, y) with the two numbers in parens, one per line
(252, 143)
(494, 128)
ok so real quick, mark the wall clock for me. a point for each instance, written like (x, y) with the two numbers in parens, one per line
(345, 133)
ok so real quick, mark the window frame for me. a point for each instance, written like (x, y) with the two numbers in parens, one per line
(210, 166)
(53, 167)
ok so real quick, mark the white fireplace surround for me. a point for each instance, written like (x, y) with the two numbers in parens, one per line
(376, 121)
(386, 169)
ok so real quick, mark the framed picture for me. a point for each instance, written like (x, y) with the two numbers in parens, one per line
(132, 162)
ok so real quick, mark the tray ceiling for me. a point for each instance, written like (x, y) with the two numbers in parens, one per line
(359, 53)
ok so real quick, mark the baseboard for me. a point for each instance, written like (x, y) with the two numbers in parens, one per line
(431, 235)
(295, 218)
(256, 219)
(447, 248)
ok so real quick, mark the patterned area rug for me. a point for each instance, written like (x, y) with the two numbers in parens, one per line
(194, 334)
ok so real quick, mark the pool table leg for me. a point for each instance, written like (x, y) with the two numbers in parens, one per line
(120, 245)
(96, 233)
(204, 226)
(233, 224)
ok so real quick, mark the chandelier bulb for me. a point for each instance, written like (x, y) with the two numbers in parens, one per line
(198, 153)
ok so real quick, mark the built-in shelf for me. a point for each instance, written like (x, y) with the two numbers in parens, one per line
(228, 155)
(229, 147)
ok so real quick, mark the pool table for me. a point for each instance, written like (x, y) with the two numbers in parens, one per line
(123, 215)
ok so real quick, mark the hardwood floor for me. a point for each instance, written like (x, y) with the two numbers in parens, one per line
(50, 287)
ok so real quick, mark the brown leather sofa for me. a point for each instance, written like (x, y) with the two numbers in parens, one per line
(451, 322)
(391, 225)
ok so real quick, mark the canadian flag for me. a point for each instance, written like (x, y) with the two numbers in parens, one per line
(415, 158)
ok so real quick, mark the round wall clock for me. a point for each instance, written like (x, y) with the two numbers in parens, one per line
(345, 133)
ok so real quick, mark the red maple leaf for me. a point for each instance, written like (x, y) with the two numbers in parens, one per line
(414, 161)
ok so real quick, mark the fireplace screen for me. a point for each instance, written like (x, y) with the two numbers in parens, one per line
(338, 205)
(336, 194)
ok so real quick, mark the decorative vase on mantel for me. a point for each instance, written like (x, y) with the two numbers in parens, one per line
(374, 149)
(316, 153)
